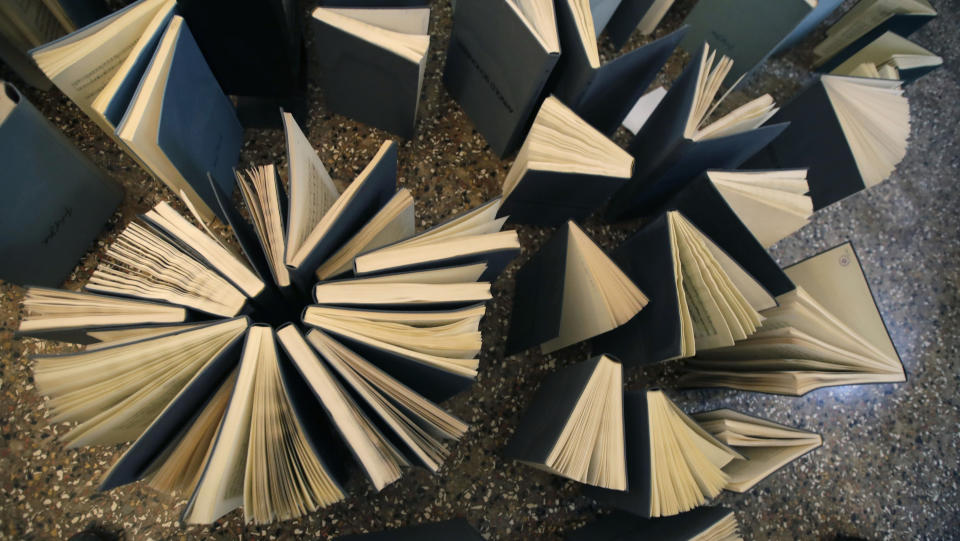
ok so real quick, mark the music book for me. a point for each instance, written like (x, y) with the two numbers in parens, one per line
(568, 292)
(700, 524)
(673, 465)
(53, 200)
(564, 171)
(372, 62)
(865, 22)
(678, 141)
(500, 56)
(828, 331)
(139, 75)
(458, 529)
(745, 212)
(766, 446)
(746, 31)
(602, 93)
(703, 298)
(574, 426)
(849, 132)
(642, 15)
(470, 238)
(890, 56)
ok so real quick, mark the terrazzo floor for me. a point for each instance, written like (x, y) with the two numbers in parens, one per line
(888, 468)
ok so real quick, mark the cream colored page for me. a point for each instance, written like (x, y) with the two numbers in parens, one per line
(836, 281)
(769, 224)
(403, 20)
(312, 191)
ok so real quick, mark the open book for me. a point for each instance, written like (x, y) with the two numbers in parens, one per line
(890, 56)
(700, 524)
(564, 171)
(139, 75)
(865, 22)
(680, 140)
(500, 56)
(372, 62)
(766, 446)
(673, 465)
(704, 298)
(568, 292)
(850, 132)
(826, 332)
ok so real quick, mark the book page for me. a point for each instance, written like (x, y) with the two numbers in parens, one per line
(312, 191)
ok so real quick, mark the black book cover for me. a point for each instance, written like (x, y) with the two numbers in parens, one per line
(53, 201)
(625, 20)
(814, 140)
(603, 96)
(621, 526)
(366, 82)
(655, 333)
(553, 197)
(705, 207)
(80, 334)
(175, 418)
(457, 529)
(636, 499)
(253, 47)
(903, 24)
(538, 296)
(496, 69)
(548, 412)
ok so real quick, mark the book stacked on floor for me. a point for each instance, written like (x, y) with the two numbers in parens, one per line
(848, 132)
(636, 450)
(828, 331)
(139, 75)
(678, 141)
(372, 63)
(700, 524)
(229, 416)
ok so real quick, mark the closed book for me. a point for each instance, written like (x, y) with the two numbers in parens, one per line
(55, 201)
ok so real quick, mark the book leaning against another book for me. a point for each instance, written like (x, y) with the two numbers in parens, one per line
(139, 75)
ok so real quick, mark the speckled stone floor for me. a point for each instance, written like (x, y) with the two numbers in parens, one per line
(888, 468)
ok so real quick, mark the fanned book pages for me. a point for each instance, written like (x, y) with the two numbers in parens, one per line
(574, 426)
(471, 238)
(641, 15)
(140, 76)
(500, 55)
(700, 524)
(744, 212)
(70, 315)
(458, 529)
(568, 292)
(865, 22)
(372, 62)
(849, 132)
(766, 446)
(890, 56)
(673, 465)
(564, 171)
(53, 200)
(602, 92)
(747, 31)
(827, 332)
(679, 140)
(701, 297)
